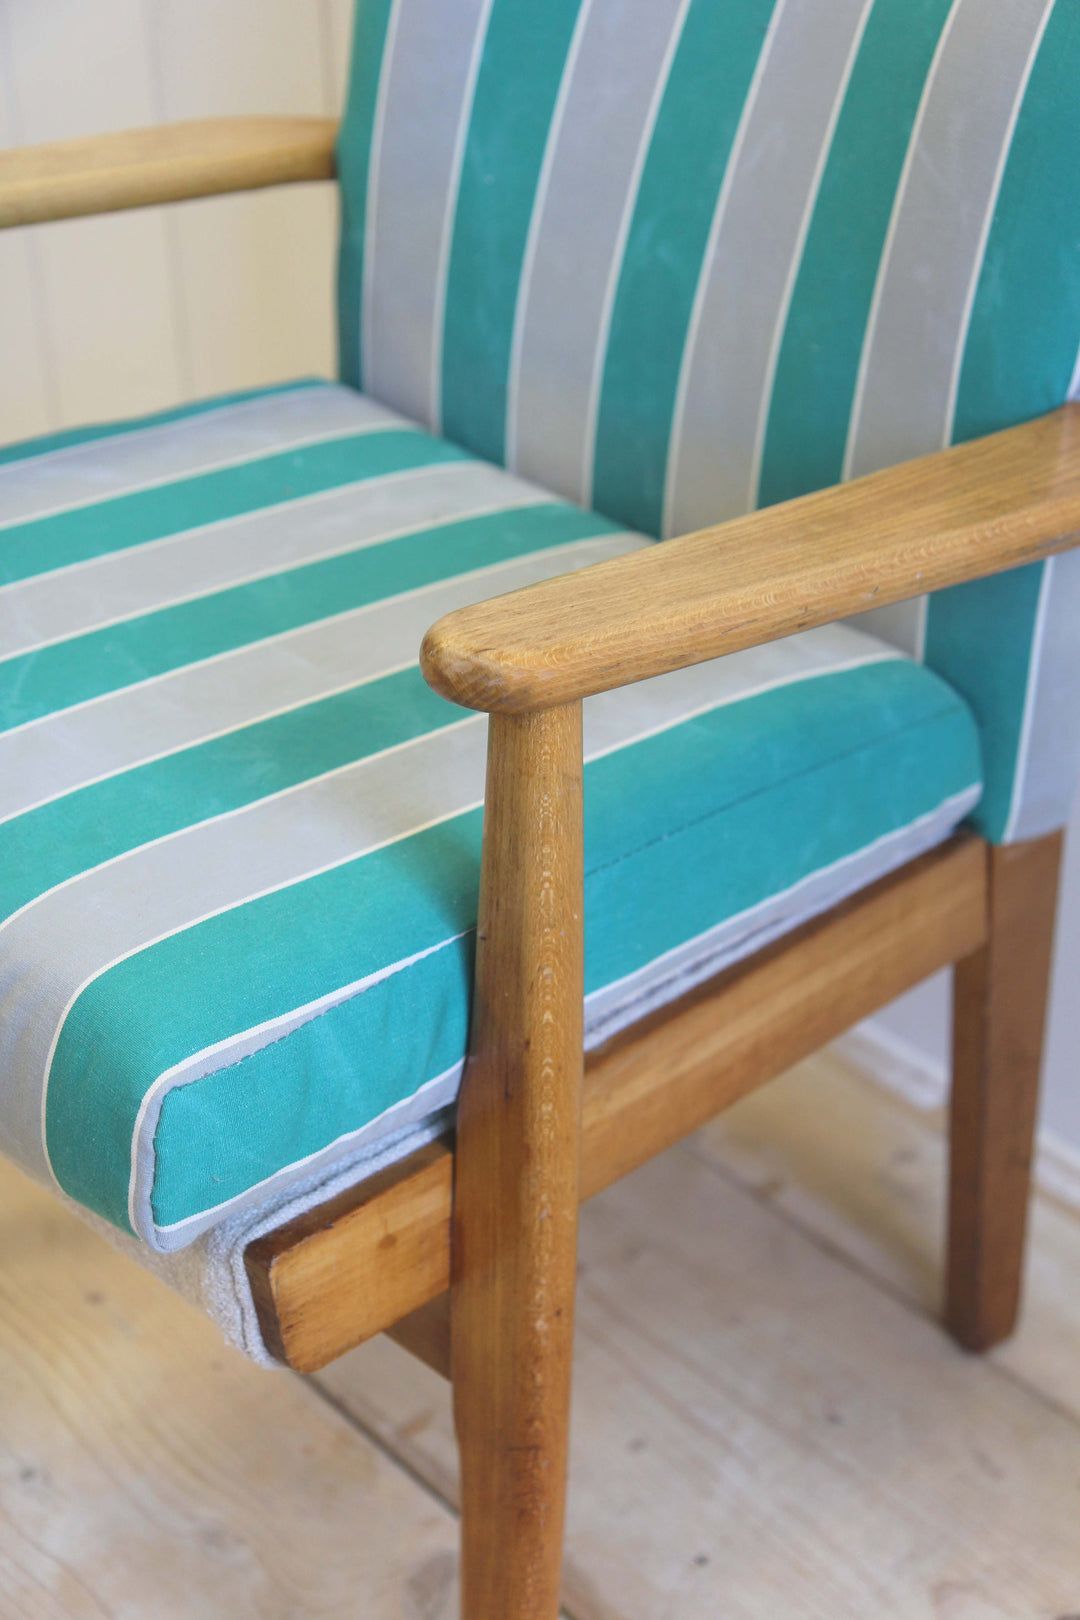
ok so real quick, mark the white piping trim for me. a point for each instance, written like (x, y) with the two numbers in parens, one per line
(1031, 684)
(681, 718)
(1074, 385)
(168, 1081)
(438, 1085)
(309, 625)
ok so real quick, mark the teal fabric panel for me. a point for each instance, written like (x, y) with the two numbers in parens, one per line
(830, 305)
(993, 359)
(75, 671)
(504, 149)
(43, 445)
(798, 777)
(687, 159)
(370, 21)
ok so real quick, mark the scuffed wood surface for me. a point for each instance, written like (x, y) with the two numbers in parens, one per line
(766, 1419)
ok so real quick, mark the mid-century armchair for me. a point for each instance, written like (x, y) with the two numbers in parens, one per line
(798, 282)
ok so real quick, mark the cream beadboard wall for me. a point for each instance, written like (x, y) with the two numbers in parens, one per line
(110, 317)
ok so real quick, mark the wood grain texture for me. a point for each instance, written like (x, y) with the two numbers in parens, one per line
(768, 1420)
(972, 510)
(516, 1173)
(342, 1274)
(147, 1470)
(999, 1013)
(101, 174)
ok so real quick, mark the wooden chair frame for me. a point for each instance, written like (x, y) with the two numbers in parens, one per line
(466, 1252)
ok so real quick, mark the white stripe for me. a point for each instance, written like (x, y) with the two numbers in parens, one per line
(1074, 386)
(678, 418)
(1020, 765)
(936, 233)
(379, 421)
(374, 175)
(446, 238)
(890, 237)
(613, 721)
(239, 1046)
(988, 220)
(795, 265)
(213, 557)
(610, 291)
(532, 238)
(46, 758)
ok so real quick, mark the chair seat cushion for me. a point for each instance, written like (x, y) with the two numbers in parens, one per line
(240, 838)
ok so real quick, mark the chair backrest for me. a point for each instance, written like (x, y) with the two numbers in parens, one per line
(678, 258)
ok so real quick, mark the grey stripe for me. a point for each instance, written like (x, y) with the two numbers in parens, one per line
(590, 180)
(1048, 761)
(425, 95)
(101, 469)
(761, 222)
(57, 945)
(904, 399)
(74, 747)
(123, 585)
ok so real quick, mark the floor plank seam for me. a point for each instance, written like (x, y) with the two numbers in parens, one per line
(834, 1251)
(380, 1444)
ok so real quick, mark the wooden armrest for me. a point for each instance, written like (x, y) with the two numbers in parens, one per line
(1007, 499)
(133, 168)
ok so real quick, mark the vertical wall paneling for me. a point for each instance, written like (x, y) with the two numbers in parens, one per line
(111, 335)
(254, 273)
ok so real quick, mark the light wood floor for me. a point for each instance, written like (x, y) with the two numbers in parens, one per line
(768, 1423)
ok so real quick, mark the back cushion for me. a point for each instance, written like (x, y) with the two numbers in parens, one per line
(679, 258)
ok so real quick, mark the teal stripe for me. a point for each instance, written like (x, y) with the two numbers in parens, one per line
(38, 683)
(818, 365)
(370, 22)
(504, 150)
(48, 442)
(868, 750)
(1024, 332)
(979, 637)
(696, 126)
(115, 525)
(70, 835)
(1021, 347)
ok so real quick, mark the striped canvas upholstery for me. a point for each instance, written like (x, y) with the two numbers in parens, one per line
(678, 258)
(239, 837)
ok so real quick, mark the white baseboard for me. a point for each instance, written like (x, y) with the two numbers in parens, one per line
(923, 1081)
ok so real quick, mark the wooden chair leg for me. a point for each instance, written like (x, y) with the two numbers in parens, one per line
(517, 1162)
(999, 1006)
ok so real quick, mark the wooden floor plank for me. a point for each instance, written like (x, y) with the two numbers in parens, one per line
(864, 1171)
(147, 1470)
(762, 1430)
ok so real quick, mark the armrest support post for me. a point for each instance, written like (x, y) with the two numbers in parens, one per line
(517, 1171)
